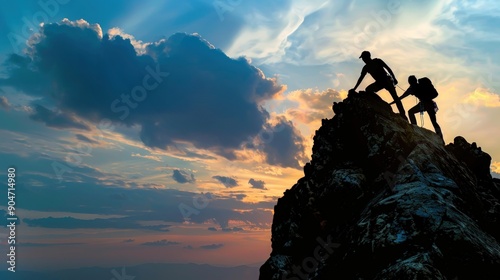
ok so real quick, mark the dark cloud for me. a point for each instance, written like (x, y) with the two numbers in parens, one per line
(240, 196)
(257, 184)
(23, 77)
(128, 241)
(181, 89)
(212, 229)
(282, 144)
(212, 246)
(228, 182)
(85, 139)
(160, 243)
(4, 103)
(56, 119)
(183, 177)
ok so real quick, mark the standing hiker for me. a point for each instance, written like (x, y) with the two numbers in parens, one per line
(384, 78)
(425, 92)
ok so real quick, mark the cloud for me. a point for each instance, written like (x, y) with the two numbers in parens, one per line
(495, 167)
(151, 157)
(268, 28)
(282, 144)
(252, 215)
(139, 46)
(240, 196)
(73, 223)
(257, 184)
(30, 244)
(56, 119)
(91, 191)
(233, 229)
(128, 241)
(483, 97)
(456, 35)
(180, 89)
(212, 246)
(160, 243)
(4, 103)
(228, 182)
(84, 138)
(313, 105)
(183, 177)
(212, 229)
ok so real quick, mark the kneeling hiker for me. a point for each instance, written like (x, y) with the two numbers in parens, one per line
(384, 78)
(425, 92)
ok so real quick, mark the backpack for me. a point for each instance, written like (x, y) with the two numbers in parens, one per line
(428, 91)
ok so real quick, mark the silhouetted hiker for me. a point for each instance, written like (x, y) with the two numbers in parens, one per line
(383, 78)
(425, 92)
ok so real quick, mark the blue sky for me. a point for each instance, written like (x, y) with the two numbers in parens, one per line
(179, 124)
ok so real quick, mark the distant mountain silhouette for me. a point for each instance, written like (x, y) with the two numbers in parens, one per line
(159, 271)
(384, 199)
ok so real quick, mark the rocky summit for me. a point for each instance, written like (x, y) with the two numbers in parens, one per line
(384, 199)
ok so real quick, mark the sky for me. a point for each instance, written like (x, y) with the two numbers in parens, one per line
(165, 131)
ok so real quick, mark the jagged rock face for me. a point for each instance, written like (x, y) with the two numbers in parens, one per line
(383, 199)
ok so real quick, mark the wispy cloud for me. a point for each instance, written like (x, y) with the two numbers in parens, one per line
(4, 103)
(212, 246)
(233, 229)
(151, 157)
(84, 138)
(32, 244)
(273, 24)
(134, 204)
(57, 119)
(160, 243)
(128, 241)
(483, 97)
(73, 223)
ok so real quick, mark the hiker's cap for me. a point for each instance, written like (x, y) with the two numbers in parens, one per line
(365, 54)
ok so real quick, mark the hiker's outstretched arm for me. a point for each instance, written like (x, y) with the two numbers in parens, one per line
(405, 94)
(361, 77)
(390, 72)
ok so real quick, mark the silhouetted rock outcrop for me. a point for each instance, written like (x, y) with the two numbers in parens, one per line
(383, 199)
